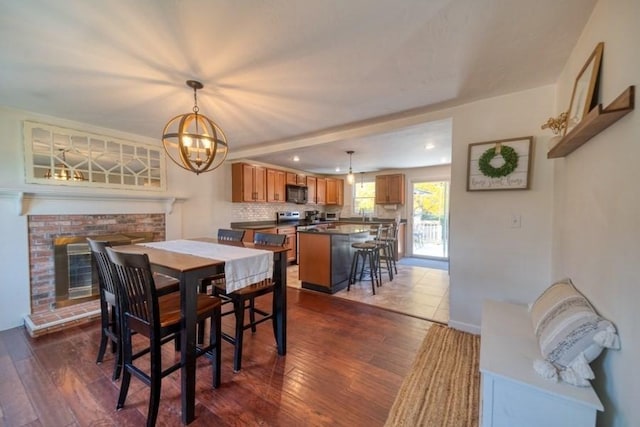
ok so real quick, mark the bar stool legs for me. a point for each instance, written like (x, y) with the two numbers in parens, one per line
(369, 254)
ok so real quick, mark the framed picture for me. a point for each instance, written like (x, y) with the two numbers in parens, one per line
(500, 165)
(584, 98)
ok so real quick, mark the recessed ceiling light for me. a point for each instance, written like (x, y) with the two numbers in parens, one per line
(443, 160)
(296, 158)
(430, 146)
(338, 169)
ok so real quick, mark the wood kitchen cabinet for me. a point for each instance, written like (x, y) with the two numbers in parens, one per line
(332, 192)
(275, 185)
(290, 243)
(248, 183)
(311, 182)
(321, 191)
(390, 189)
(296, 179)
(340, 189)
(335, 191)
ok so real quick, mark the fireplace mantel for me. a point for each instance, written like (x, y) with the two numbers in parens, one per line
(25, 197)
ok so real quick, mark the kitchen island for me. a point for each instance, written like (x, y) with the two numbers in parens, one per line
(324, 256)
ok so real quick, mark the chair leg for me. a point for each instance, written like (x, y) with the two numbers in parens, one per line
(203, 290)
(155, 383)
(252, 314)
(215, 336)
(104, 322)
(126, 374)
(354, 269)
(373, 272)
(238, 307)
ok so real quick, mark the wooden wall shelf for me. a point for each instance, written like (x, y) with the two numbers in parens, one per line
(595, 122)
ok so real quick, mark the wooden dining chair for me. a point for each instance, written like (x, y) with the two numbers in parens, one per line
(159, 319)
(224, 235)
(109, 307)
(244, 299)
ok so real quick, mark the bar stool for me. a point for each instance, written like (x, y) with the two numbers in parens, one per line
(384, 252)
(369, 252)
(392, 240)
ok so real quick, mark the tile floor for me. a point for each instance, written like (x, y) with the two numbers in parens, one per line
(415, 291)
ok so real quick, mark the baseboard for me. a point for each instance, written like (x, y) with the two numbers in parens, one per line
(465, 327)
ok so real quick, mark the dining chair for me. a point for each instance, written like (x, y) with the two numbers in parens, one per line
(224, 235)
(159, 319)
(244, 299)
(109, 307)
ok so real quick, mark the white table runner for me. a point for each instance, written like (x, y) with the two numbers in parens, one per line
(243, 266)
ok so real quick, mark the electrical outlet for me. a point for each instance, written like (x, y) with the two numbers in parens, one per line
(516, 221)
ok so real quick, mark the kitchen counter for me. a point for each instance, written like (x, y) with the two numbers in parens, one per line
(324, 256)
(342, 229)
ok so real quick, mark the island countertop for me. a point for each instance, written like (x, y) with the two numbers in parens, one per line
(347, 229)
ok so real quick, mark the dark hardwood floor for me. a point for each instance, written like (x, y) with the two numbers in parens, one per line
(344, 366)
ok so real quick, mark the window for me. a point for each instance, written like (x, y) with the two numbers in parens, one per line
(59, 156)
(364, 194)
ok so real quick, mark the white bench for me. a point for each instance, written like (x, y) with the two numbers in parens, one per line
(512, 393)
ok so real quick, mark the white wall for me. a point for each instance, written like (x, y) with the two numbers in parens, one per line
(488, 258)
(597, 207)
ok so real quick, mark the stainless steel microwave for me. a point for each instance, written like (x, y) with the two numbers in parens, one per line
(296, 194)
(332, 216)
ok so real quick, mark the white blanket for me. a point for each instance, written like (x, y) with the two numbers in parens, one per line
(242, 267)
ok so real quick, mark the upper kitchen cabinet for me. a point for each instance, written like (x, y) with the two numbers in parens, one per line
(296, 179)
(321, 191)
(390, 189)
(311, 183)
(335, 191)
(248, 183)
(275, 185)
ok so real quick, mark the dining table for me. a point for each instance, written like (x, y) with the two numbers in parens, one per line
(190, 269)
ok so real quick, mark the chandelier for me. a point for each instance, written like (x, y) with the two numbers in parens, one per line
(193, 141)
(350, 177)
(61, 171)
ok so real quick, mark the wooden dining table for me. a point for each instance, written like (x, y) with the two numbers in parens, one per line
(190, 270)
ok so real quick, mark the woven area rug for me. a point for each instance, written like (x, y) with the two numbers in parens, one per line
(443, 387)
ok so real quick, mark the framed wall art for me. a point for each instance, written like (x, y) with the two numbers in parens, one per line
(584, 96)
(500, 165)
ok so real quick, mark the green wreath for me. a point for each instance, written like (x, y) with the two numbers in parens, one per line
(510, 162)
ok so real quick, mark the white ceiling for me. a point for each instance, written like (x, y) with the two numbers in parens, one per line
(283, 77)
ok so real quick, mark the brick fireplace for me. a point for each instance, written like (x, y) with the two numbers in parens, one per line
(43, 230)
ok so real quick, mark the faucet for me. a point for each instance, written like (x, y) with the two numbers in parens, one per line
(363, 215)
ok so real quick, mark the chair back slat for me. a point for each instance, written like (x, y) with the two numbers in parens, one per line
(138, 295)
(269, 239)
(105, 270)
(230, 235)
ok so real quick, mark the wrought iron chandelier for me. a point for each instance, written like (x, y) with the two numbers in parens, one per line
(350, 177)
(193, 141)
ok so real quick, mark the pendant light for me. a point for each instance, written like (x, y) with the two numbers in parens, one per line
(193, 141)
(350, 177)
